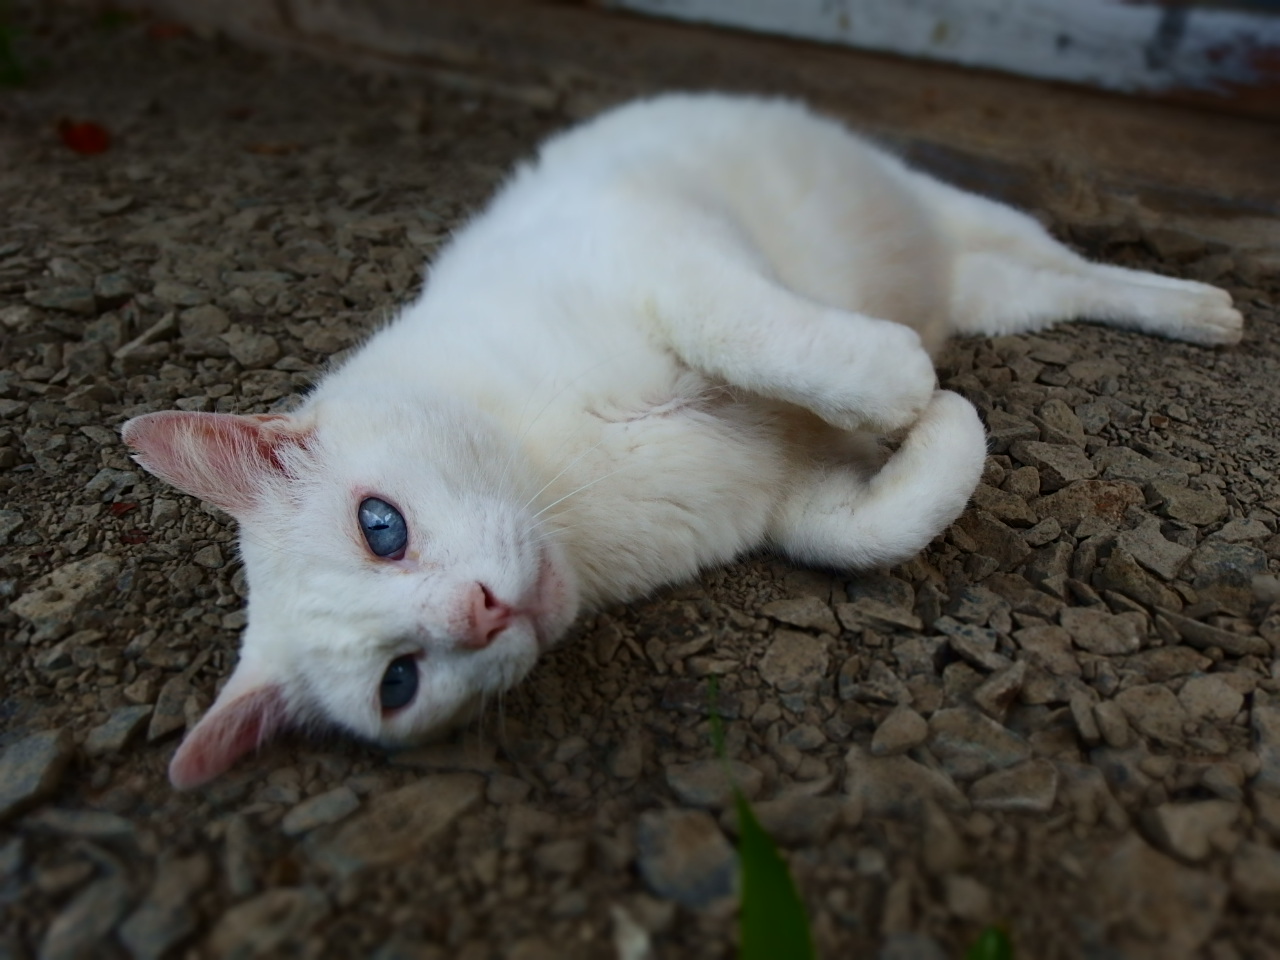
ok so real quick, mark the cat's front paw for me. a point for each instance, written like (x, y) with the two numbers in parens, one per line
(890, 387)
(1221, 325)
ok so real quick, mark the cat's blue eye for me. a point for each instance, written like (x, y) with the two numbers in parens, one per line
(399, 683)
(383, 527)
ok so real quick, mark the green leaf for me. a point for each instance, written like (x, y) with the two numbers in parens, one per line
(771, 920)
(992, 944)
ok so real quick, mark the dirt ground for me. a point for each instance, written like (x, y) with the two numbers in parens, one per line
(1064, 716)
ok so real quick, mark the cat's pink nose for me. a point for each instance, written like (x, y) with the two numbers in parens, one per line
(488, 617)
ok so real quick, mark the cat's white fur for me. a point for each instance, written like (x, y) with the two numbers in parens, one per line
(670, 339)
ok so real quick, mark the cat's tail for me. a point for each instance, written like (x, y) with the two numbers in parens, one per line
(840, 518)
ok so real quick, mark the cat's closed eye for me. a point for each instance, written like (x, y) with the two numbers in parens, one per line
(384, 528)
(399, 683)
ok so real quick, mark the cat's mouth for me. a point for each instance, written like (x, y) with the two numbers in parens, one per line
(553, 603)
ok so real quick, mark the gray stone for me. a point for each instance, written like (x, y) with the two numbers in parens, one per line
(31, 769)
(112, 290)
(166, 917)
(977, 605)
(10, 522)
(1154, 907)
(1264, 719)
(901, 730)
(1203, 636)
(1025, 788)
(1122, 463)
(1004, 429)
(169, 713)
(90, 824)
(1090, 499)
(807, 612)
(881, 684)
(1059, 464)
(1101, 632)
(1164, 663)
(1216, 562)
(53, 603)
(1123, 574)
(1003, 505)
(174, 294)
(69, 299)
(1049, 647)
(897, 787)
(1059, 424)
(80, 927)
(794, 661)
(268, 924)
(396, 825)
(882, 587)
(1238, 531)
(117, 731)
(1154, 711)
(1210, 697)
(911, 945)
(1199, 507)
(683, 856)
(320, 810)
(876, 614)
(977, 645)
(710, 783)
(252, 350)
(969, 744)
(993, 539)
(203, 322)
(1255, 877)
(1185, 830)
(1147, 545)
(995, 695)
(799, 820)
(1113, 724)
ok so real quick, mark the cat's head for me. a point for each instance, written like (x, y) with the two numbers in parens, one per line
(397, 571)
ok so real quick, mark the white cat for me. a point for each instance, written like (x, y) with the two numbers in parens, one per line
(671, 338)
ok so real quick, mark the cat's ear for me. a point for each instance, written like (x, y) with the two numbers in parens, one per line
(224, 459)
(247, 713)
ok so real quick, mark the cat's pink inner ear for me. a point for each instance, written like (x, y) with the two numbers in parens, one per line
(231, 728)
(217, 457)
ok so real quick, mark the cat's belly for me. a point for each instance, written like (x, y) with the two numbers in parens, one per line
(667, 487)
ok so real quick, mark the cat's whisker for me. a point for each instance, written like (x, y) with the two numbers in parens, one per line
(573, 493)
(567, 467)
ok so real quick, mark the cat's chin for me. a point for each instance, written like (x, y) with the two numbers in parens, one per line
(555, 599)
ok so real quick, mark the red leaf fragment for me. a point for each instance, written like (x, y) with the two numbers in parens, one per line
(134, 537)
(166, 30)
(84, 136)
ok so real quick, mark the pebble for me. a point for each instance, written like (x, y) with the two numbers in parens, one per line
(1154, 711)
(1217, 562)
(911, 945)
(683, 856)
(114, 734)
(1059, 464)
(977, 645)
(794, 661)
(1100, 632)
(1024, 788)
(1186, 830)
(167, 915)
(32, 768)
(81, 926)
(807, 612)
(1147, 545)
(968, 743)
(995, 695)
(1203, 636)
(70, 299)
(1255, 877)
(901, 730)
(1082, 500)
(967, 899)
(897, 787)
(90, 824)
(269, 924)
(169, 713)
(876, 614)
(1198, 507)
(1113, 724)
(1154, 906)
(1210, 698)
(1264, 719)
(53, 602)
(396, 825)
(710, 783)
(320, 810)
(797, 821)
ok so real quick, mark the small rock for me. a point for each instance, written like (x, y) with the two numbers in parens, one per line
(267, 924)
(252, 350)
(1058, 464)
(1049, 647)
(876, 614)
(1113, 724)
(174, 294)
(1003, 506)
(1059, 424)
(203, 322)
(1217, 562)
(1154, 906)
(317, 811)
(166, 916)
(992, 538)
(71, 299)
(975, 644)
(31, 769)
(968, 899)
(209, 557)
(52, 603)
(899, 732)
(1264, 718)
(1210, 698)
(969, 744)
(1123, 575)
(169, 713)
(807, 612)
(1090, 499)
(80, 928)
(91, 824)
(1153, 711)
(1025, 788)
(710, 783)
(997, 693)
(1202, 636)
(398, 824)
(1185, 829)
(684, 857)
(801, 821)
(1100, 632)
(794, 661)
(1198, 507)
(1237, 531)
(897, 787)
(911, 946)
(1147, 545)
(1255, 877)
(1160, 664)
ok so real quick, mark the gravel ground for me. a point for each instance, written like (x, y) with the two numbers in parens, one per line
(1064, 716)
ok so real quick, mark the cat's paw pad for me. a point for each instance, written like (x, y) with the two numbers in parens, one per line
(1217, 326)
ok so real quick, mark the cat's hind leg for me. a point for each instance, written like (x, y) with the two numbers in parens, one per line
(1011, 276)
(838, 517)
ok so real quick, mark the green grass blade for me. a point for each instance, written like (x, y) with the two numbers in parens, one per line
(771, 921)
(992, 944)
